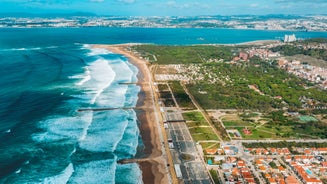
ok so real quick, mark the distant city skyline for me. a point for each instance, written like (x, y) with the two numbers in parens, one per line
(166, 7)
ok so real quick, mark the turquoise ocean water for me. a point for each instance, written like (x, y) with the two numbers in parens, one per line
(48, 74)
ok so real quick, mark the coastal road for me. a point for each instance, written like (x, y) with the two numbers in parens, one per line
(280, 140)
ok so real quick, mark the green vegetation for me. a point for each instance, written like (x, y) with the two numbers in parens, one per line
(256, 85)
(316, 129)
(276, 125)
(284, 144)
(222, 131)
(273, 165)
(314, 40)
(181, 97)
(167, 98)
(203, 133)
(215, 176)
(235, 93)
(194, 116)
(235, 123)
(163, 87)
(199, 127)
(256, 133)
(210, 145)
(183, 54)
(231, 89)
(249, 115)
(307, 119)
(291, 50)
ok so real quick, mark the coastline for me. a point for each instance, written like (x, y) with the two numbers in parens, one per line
(152, 163)
(255, 42)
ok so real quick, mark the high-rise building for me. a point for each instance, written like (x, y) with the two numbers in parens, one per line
(290, 38)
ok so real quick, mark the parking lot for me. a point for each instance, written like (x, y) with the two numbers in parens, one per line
(185, 154)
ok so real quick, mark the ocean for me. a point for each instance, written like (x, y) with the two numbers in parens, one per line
(48, 74)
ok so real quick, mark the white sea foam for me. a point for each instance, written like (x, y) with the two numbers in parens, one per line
(102, 76)
(18, 171)
(96, 51)
(24, 49)
(86, 77)
(129, 142)
(102, 171)
(63, 177)
(28, 49)
(52, 47)
(129, 173)
(59, 128)
(87, 125)
(106, 131)
(115, 95)
(74, 151)
(98, 131)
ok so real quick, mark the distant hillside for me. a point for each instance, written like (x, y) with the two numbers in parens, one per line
(46, 15)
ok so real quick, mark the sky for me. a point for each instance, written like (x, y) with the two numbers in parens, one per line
(167, 7)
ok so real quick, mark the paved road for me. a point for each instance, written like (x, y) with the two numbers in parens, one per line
(281, 140)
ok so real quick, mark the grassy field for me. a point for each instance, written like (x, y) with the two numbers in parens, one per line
(210, 145)
(203, 133)
(256, 134)
(183, 54)
(199, 127)
(196, 123)
(181, 97)
(194, 116)
(234, 120)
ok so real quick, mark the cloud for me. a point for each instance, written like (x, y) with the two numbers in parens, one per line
(254, 5)
(174, 4)
(127, 1)
(97, 1)
(49, 1)
(300, 1)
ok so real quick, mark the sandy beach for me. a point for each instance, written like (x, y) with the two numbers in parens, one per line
(153, 165)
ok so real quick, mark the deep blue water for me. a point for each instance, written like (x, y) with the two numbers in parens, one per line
(181, 36)
(47, 74)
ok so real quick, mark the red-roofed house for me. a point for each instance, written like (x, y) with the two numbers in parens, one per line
(281, 169)
(211, 151)
(291, 180)
(324, 164)
(241, 164)
(272, 181)
(322, 150)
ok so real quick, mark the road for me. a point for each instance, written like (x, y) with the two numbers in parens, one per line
(281, 140)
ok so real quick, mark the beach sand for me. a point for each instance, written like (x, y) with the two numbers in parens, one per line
(153, 166)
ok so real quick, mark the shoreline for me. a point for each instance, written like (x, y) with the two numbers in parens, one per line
(152, 164)
(254, 42)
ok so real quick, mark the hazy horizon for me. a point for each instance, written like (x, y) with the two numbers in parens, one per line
(165, 7)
